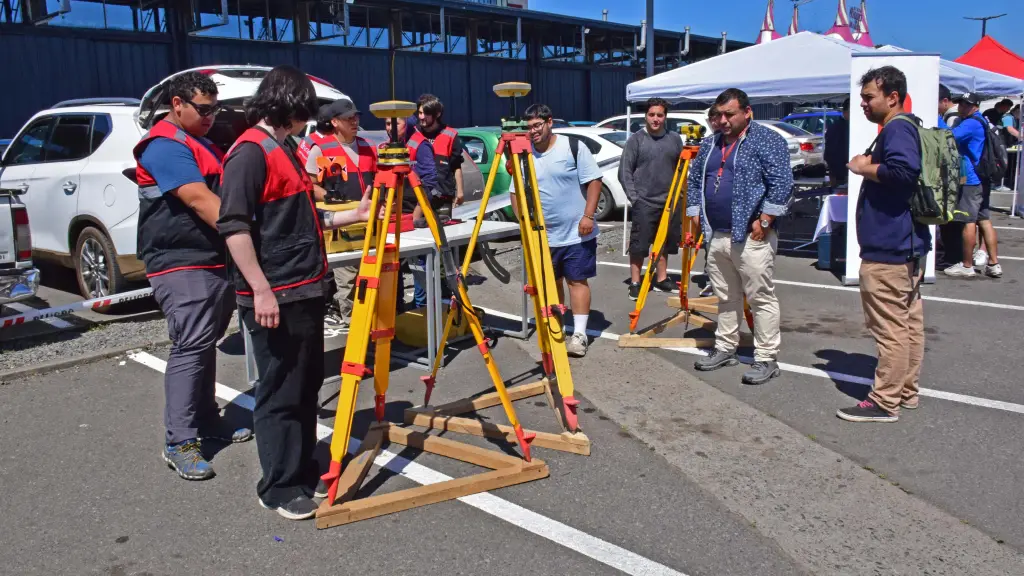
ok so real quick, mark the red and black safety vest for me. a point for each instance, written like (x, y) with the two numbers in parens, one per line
(357, 176)
(171, 236)
(443, 144)
(286, 233)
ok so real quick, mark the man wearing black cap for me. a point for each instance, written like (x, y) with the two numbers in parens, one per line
(973, 205)
(354, 162)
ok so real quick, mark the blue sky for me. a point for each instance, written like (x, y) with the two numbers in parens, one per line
(920, 25)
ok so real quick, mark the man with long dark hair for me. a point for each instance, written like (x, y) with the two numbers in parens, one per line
(178, 172)
(275, 236)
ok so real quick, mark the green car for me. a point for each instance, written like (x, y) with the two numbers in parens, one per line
(481, 144)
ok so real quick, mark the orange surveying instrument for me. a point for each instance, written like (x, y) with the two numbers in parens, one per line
(373, 320)
(692, 239)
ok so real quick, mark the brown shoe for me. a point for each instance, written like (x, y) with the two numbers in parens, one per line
(911, 403)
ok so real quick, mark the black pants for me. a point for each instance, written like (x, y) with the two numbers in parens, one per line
(290, 365)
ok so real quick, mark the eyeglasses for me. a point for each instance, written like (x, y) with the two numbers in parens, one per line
(205, 110)
(536, 127)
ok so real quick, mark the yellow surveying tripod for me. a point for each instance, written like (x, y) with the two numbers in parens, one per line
(373, 313)
(514, 145)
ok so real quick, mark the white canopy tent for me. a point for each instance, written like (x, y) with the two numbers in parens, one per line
(804, 67)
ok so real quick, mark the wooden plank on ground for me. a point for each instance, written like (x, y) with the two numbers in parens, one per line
(355, 471)
(491, 399)
(577, 443)
(451, 449)
(635, 341)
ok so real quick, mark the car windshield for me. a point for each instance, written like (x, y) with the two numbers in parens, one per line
(791, 129)
(811, 124)
(618, 138)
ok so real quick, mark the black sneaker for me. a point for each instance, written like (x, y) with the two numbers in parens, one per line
(666, 285)
(634, 291)
(717, 359)
(866, 411)
(301, 508)
(321, 489)
(761, 372)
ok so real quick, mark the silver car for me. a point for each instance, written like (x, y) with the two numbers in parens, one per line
(806, 151)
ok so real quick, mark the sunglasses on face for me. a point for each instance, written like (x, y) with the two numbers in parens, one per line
(205, 110)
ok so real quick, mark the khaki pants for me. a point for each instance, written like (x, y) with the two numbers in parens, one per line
(345, 280)
(747, 269)
(894, 315)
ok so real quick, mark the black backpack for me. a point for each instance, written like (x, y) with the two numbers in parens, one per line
(994, 158)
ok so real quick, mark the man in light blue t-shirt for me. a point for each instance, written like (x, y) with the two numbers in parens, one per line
(568, 215)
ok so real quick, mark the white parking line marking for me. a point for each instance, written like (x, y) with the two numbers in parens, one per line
(55, 322)
(561, 534)
(854, 289)
(1014, 228)
(827, 374)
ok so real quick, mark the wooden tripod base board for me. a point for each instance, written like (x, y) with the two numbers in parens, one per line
(504, 471)
(446, 417)
(708, 305)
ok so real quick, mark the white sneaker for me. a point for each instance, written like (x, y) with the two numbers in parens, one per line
(994, 271)
(980, 258)
(958, 270)
(576, 345)
(708, 290)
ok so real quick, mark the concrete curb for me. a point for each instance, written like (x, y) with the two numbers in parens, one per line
(62, 363)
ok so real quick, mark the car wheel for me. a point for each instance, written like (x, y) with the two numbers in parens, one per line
(605, 205)
(96, 265)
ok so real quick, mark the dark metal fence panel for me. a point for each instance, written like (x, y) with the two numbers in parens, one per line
(564, 90)
(362, 75)
(41, 69)
(209, 51)
(443, 76)
(486, 108)
(608, 92)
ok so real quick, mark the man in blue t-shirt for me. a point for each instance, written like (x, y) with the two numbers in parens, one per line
(568, 215)
(973, 205)
(178, 173)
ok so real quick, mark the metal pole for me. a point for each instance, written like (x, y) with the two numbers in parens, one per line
(650, 38)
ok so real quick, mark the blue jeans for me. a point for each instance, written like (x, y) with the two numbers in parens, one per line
(419, 285)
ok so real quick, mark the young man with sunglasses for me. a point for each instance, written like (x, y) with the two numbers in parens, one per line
(178, 173)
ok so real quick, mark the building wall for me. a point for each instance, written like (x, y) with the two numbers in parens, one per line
(45, 66)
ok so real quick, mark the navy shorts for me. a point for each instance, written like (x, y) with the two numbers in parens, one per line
(575, 262)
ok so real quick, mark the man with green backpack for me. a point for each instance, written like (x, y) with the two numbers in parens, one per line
(905, 188)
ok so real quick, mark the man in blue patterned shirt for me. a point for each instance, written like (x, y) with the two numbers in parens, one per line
(739, 183)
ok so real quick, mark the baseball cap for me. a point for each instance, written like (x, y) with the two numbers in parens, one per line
(339, 108)
(944, 93)
(970, 97)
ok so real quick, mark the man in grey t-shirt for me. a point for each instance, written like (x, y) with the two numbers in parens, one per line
(645, 172)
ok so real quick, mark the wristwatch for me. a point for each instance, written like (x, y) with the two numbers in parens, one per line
(766, 223)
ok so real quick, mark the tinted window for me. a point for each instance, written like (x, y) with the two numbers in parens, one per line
(476, 148)
(28, 148)
(100, 130)
(617, 138)
(809, 123)
(619, 124)
(791, 129)
(594, 146)
(70, 139)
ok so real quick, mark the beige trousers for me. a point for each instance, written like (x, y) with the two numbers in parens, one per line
(345, 280)
(745, 269)
(894, 315)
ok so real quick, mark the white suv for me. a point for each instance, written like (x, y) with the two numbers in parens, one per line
(74, 164)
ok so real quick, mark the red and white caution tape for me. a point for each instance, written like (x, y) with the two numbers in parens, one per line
(93, 304)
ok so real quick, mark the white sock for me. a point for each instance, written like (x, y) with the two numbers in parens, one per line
(579, 323)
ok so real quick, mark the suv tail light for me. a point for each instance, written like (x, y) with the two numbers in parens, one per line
(22, 234)
(806, 146)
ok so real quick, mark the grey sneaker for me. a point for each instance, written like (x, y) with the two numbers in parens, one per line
(958, 270)
(666, 285)
(186, 458)
(576, 346)
(761, 372)
(717, 359)
(994, 271)
(634, 291)
(301, 508)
